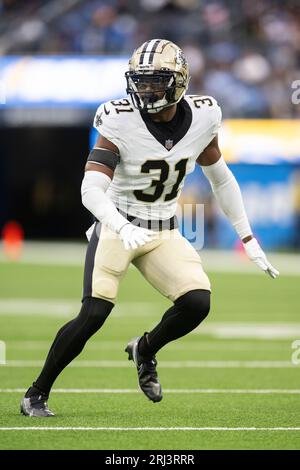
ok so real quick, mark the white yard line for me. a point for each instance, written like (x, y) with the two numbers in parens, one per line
(203, 345)
(69, 307)
(73, 254)
(229, 330)
(265, 331)
(176, 391)
(43, 253)
(98, 428)
(41, 307)
(164, 364)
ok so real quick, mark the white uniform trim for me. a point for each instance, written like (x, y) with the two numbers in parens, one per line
(228, 195)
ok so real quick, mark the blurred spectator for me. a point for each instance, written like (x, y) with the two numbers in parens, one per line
(236, 48)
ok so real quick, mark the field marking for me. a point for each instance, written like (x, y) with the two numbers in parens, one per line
(165, 364)
(178, 428)
(203, 345)
(166, 390)
(266, 331)
(70, 307)
(43, 307)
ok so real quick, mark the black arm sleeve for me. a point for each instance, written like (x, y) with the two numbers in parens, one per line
(104, 157)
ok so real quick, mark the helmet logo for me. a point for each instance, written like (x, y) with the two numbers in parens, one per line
(180, 59)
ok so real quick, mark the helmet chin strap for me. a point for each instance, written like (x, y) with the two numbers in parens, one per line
(154, 110)
(159, 105)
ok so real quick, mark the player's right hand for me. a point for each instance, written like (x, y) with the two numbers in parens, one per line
(133, 236)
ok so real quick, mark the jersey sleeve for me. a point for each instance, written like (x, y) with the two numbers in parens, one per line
(106, 123)
(215, 117)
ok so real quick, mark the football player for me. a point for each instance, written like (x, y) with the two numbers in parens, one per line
(149, 141)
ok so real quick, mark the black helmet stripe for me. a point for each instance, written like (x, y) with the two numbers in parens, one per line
(143, 51)
(151, 56)
(149, 48)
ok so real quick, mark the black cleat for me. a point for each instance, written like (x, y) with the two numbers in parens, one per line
(147, 375)
(35, 406)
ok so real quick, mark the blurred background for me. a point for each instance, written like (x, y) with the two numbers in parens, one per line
(59, 59)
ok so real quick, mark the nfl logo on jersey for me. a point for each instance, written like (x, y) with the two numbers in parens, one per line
(169, 144)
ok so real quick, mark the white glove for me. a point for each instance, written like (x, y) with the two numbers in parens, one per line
(133, 236)
(256, 254)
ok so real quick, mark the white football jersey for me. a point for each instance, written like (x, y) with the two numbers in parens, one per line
(149, 178)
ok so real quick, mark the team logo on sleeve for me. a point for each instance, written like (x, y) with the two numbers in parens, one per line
(98, 120)
(169, 144)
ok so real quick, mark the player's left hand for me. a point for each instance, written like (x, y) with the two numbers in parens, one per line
(256, 254)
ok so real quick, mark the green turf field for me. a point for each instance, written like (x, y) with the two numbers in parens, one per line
(228, 385)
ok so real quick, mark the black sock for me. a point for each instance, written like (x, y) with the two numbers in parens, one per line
(70, 340)
(33, 391)
(145, 349)
(185, 315)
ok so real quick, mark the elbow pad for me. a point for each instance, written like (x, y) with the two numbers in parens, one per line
(218, 174)
(228, 195)
(96, 180)
(93, 188)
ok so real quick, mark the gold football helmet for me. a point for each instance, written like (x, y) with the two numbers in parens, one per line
(158, 75)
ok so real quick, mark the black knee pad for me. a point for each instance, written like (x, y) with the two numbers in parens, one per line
(195, 304)
(94, 312)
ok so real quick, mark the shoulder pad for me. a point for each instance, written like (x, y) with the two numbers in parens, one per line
(209, 106)
(203, 101)
(110, 118)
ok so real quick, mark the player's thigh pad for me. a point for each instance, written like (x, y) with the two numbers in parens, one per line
(173, 267)
(109, 264)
